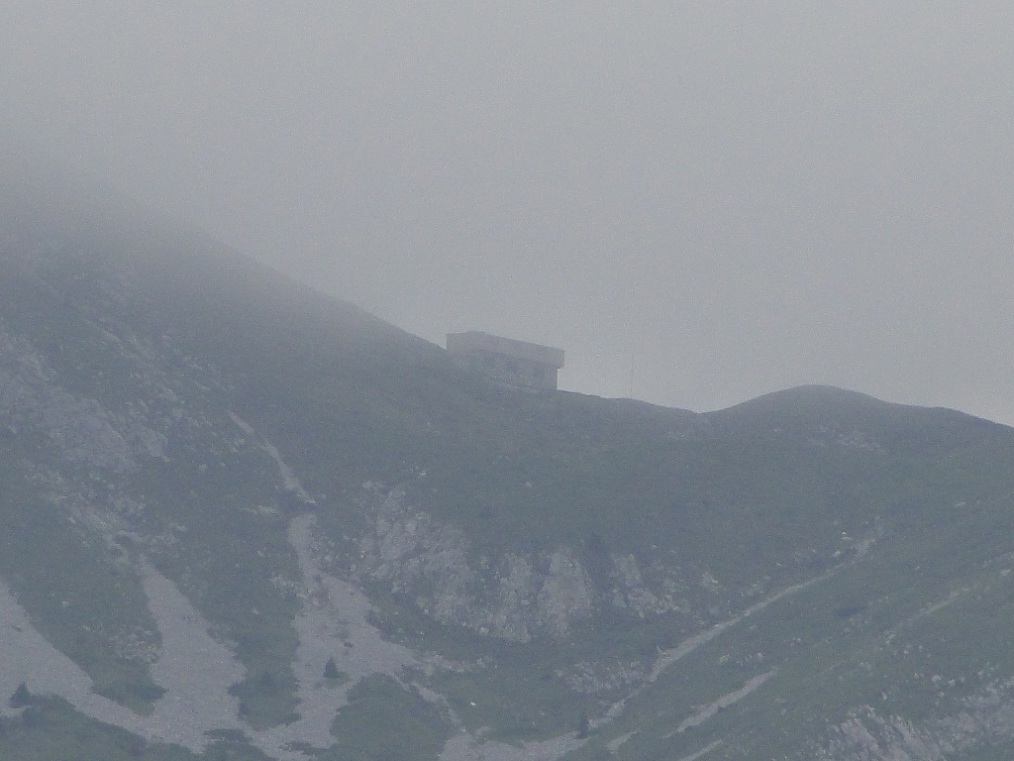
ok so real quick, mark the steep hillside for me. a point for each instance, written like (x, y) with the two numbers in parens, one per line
(239, 519)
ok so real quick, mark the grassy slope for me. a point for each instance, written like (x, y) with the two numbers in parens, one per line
(763, 491)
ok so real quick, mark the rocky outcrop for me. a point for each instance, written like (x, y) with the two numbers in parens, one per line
(79, 430)
(867, 735)
(514, 596)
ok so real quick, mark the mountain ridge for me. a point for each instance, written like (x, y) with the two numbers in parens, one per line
(197, 453)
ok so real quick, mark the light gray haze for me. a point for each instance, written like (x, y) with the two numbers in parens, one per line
(726, 197)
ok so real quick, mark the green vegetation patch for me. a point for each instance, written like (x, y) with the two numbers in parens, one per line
(80, 597)
(384, 720)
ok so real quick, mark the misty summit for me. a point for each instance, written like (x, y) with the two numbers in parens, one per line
(240, 519)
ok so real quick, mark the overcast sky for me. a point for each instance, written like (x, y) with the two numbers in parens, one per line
(727, 198)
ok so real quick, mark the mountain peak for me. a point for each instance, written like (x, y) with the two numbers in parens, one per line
(215, 483)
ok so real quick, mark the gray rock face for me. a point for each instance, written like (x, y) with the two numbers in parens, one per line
(867, 735)
(513, 597)
(566, 593)
(80, 430)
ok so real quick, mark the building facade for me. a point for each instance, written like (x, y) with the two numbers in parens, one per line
(506, 360)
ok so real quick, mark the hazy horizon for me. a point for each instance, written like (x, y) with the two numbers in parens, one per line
(701, 204)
